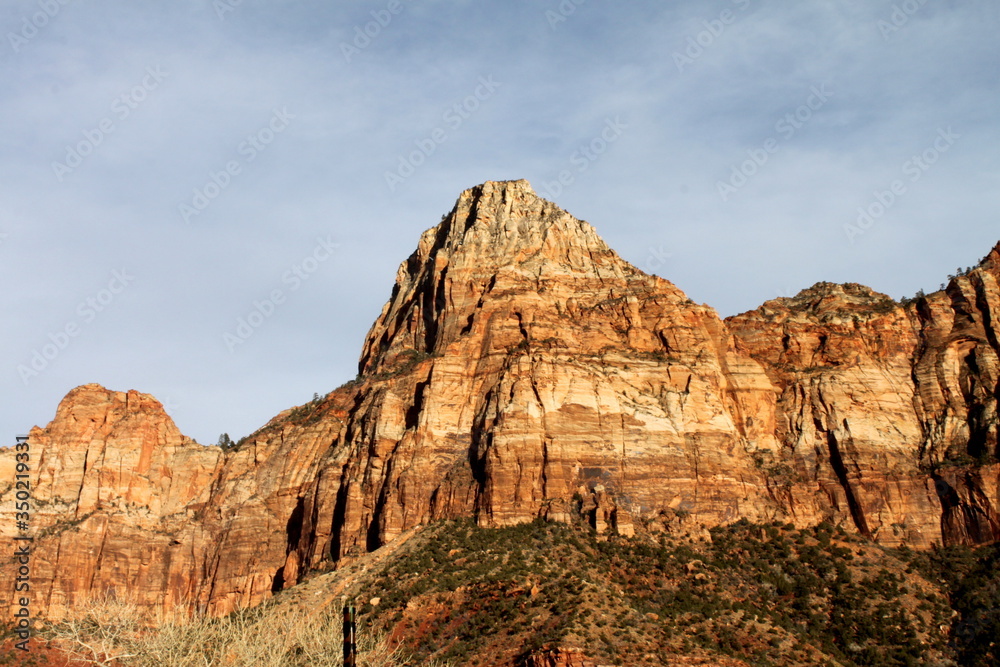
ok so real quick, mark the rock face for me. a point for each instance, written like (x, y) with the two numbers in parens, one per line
(538, 365)
(558, 657)
(522, 369)
(114, 488)
(881, 406)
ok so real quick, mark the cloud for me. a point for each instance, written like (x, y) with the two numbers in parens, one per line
(653, 192)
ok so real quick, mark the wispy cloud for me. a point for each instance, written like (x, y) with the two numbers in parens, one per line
(324, 176)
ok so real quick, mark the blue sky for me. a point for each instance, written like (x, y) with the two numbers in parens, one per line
(169, 169)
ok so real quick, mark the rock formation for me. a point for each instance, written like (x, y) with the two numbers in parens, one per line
(520, 369)
(559, 657)
(114, 493)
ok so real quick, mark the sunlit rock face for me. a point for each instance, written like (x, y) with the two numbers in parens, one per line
(520, 369)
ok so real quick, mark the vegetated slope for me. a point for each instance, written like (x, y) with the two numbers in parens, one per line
(555, 595)
(757, 594)
(971, 579)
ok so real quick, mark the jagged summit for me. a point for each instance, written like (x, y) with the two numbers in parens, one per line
(499, 236)
(824, 299)
(502, 223)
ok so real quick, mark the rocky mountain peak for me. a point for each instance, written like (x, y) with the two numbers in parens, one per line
(825, 300)
(522, 370)
(505, 222)
(499, 236)
(94, 403)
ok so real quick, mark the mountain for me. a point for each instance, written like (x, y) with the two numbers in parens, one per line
(547, 594)
(520, 370)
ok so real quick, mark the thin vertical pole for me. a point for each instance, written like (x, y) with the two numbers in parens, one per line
(350, 629)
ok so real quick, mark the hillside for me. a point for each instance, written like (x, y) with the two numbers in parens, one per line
(544, 594)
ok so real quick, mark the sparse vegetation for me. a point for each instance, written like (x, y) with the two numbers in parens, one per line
(405, 362)
(63, 525)
(350, 384)
(971, 580)
(954, 459)
(765, 594)
(113, 632)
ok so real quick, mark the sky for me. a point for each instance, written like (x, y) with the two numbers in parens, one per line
(207, 200)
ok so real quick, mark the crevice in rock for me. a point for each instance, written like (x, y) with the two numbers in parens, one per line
(662, 336)
(473, 211)
(413, 412)
(520, 326)
(983, 306)
(433, 303)
(373, 536)
(278, 583)
(293, 529)
(970, 520)
(339, 512)
(989, 326)
(952, 532)
(840, 469)
(479, 447)
(310, 516)
(979, 432)
(468, 324)
(432, 502)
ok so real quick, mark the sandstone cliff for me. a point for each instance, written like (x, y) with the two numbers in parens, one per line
(521, 369)
(114, 489)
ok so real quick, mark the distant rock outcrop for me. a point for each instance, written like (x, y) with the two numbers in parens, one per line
(520, 369)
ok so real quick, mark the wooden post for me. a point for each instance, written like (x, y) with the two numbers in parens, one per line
(350, 628)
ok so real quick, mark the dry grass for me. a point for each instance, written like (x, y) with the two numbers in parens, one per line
(115, 633)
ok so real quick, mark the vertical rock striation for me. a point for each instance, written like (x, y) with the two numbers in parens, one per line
(888, 409)
(112, 490)
(521, 369)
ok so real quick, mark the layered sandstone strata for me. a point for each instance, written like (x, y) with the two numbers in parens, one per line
(521, 368)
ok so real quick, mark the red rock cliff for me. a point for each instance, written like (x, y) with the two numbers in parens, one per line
(522, 369)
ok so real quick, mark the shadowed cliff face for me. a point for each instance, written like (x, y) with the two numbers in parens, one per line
(522, 369)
